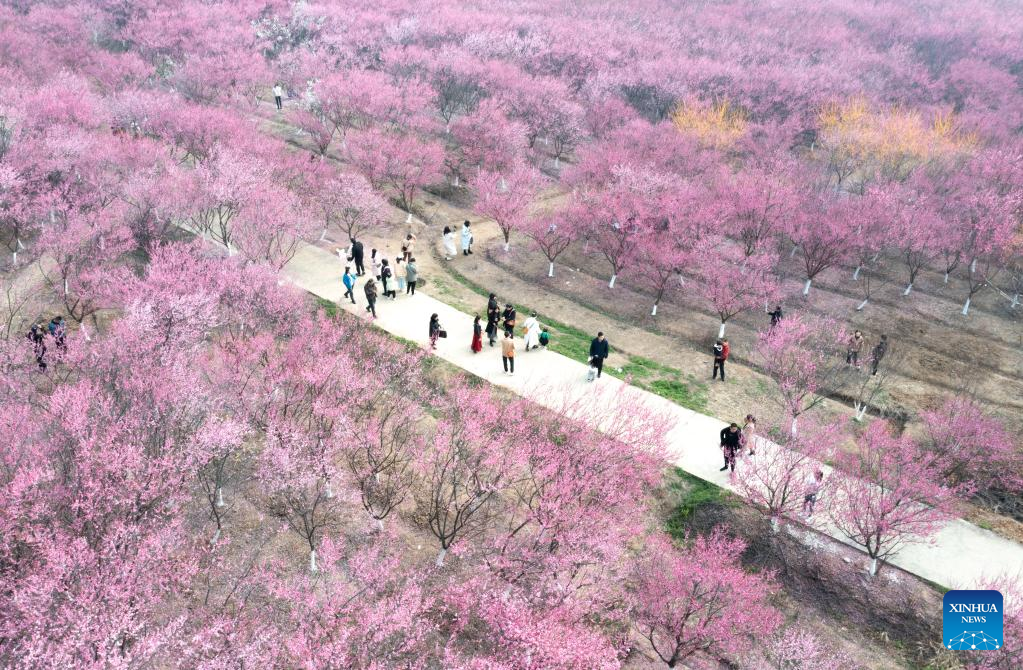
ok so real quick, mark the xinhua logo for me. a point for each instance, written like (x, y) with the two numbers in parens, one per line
(972, 620)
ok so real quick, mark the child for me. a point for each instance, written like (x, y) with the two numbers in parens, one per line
(545, 337)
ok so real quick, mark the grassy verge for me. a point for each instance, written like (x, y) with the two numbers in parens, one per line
(571, 342)
(691, 493)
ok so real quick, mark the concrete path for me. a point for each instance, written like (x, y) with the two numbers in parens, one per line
(960, 556)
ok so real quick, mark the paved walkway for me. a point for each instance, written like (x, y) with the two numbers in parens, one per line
(961, 555)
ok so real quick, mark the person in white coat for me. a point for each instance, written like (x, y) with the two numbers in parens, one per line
(466, 239)
(532, 328)
(278, 94)
(449, 244)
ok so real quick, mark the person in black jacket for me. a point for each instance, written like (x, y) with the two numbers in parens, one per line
(877, 354)
(776, 315)
(730, 444)
(599, 351)
(493, 316)
(509, 320)
(357, 256)
(37, 337)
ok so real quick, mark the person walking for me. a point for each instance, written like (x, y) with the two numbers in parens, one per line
(58, 328)
(387, 279)
(449, 244)
(508, 354)
(411, 276)
(466, 239)
(730, 445)
(37, 338)
(599, 351)
(532, 329)
(371, 296)
(399, 273)
(375, 263)
(749, 431)
(813, 490)
(435, 330)
(493, 316)
(348, 279)
(509, 320)
(877, 354)
(357, 252)
(477, 335)
(776, 315)
(720, 356)
(278, 95)
(853, 348)
(407, 247)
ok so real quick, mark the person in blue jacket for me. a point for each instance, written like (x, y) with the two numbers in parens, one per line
(348, 279)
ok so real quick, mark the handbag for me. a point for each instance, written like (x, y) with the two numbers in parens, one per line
(442, 333)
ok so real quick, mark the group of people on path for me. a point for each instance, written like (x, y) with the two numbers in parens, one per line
(400, 277)
(536, 336)
(37, 335)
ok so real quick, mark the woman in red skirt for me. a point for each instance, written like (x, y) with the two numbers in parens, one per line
(477, 335)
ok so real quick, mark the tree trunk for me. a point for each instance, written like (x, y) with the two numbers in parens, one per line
(856, 274)
(862, 305)
(966, 307)
(861, 410)
(216, 536)
(795, 426)
(312, 561)
(557, 162)
(455, 182)
(220, 497)
(653, 312)
(775, 524)
(65, 287)
(380, 525)
(793, 254)
(973, 266)
(806, 287)
(440, 558)
(721, 330)
(408, 217)
(873, 567)
(550, 270)
(323, 235)
(611, 284)
(506, 246)
(1015, 301)
(946, 277)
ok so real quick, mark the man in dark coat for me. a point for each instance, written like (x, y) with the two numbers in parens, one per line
(357, 256)
(509, 320)
(493, 316)
(877, 354)
(776, 316)
(730, 443)
(599, 351)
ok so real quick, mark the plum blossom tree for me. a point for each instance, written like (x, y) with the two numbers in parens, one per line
(699, 599)
(799, 649)
(887, 493)
(348, 201)
(506, 198)
(734, 284)
(551, 234)
(805, 358)
(821, 230)
(400, 161)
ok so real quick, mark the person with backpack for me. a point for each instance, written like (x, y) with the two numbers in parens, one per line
(599, 351)
(357, 252)
(720, 352)
(348, 279)
(371, 296)
(411, 276)
(731, 438)
(877, 354)
(37, 338)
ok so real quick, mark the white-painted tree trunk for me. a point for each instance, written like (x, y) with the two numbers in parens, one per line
(440, 558)
(557, 162)
(873, 259)
(973, 266)
(1015, 301)
(408, 218)
(908, 289)
(216, 536)
(793, 253)
(330, 490)
(220, 497)
(312, 561)
(806, 287)
(504, 184)
(795, 426)
(946, 277)
(863, 304)
(856, 274)
(653, 312)
(323, 236)
(966, 307)
(65, 287)
(775, 524)
(873, 567)
(85, 332)
(550, 270)
(506, 247)
(546, 140)
(380, 525)
(611, 284)
(455, 182)
(14, 258)
(721, 330)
